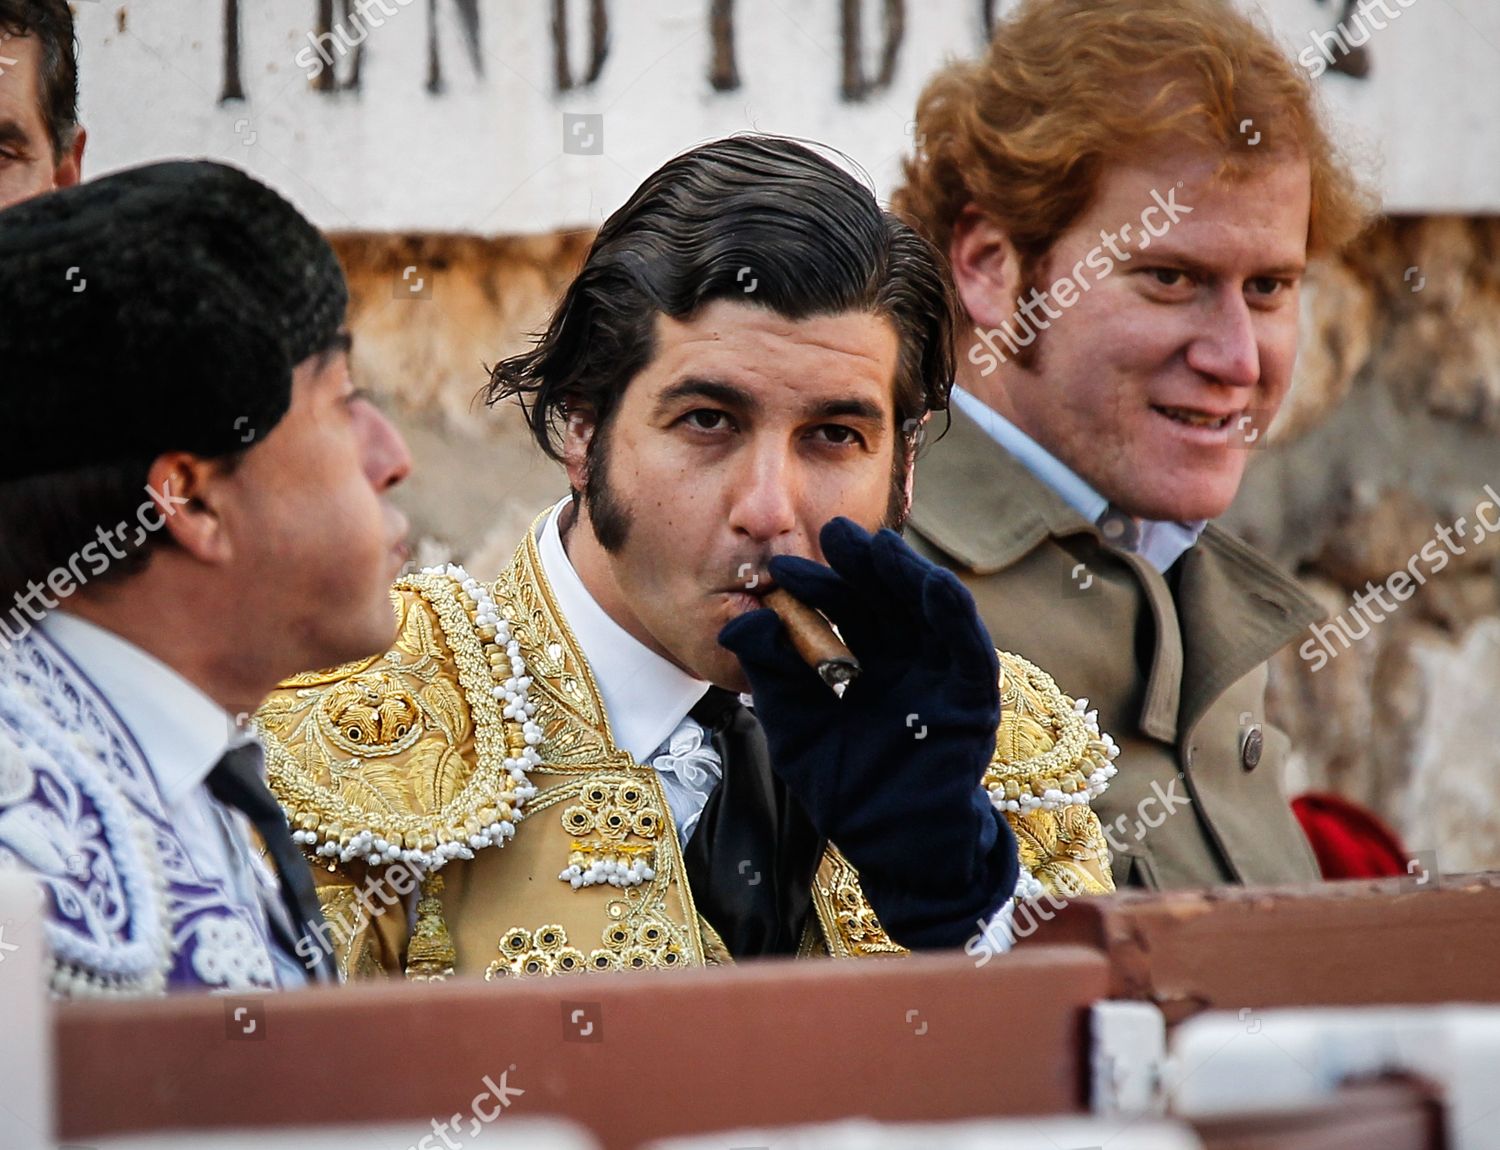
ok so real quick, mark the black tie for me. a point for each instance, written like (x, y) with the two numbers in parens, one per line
(235, 781)
(751, 859)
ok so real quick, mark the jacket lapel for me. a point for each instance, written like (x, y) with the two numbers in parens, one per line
(1238, 610)
(1232, 611)
(980, 506)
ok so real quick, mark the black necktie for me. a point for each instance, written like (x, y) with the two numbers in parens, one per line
(751, 858)
(235, 781)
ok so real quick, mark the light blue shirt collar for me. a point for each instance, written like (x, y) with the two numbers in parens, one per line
(1162, 542)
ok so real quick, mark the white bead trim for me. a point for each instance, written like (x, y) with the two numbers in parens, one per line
(608, 871)
(66, 978)
(1100, 753)
(76, 966)
(511, 691)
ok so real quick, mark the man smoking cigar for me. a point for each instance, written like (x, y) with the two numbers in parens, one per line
(565, 750)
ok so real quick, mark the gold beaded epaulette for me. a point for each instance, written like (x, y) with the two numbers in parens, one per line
(335, 736)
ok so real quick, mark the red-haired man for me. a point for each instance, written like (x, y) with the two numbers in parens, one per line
(1128, 192)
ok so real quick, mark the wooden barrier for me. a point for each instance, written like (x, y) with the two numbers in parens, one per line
(1359, 943)
(632, 1057)
(1377, 1116)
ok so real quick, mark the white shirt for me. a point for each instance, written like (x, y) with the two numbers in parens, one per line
(1162, 542)
(646, 697)
(182, 734)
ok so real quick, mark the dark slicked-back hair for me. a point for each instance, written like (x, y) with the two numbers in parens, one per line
(761, 220)
(51, 22)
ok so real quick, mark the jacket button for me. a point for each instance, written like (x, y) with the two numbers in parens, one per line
(1251, 747)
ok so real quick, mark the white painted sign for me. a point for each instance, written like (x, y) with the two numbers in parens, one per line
(499, 149)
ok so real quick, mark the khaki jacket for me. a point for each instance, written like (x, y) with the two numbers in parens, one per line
(1175, 664)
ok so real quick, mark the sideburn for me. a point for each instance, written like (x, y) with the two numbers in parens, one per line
(609, 516)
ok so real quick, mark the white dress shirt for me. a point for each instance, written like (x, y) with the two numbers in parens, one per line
(182, 734)
(1161, 543)
(646, 697)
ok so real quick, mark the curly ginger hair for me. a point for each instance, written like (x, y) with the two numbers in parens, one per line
(1070, 87)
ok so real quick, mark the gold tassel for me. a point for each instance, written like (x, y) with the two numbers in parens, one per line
(430, 956)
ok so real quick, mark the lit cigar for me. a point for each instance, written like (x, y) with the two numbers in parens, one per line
(815, 640)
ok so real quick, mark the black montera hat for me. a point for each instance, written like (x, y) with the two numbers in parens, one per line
(157, 309)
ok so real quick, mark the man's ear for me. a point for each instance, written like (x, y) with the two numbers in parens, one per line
(986, 268)
(577, 436)
(69, 169)
(184, 495)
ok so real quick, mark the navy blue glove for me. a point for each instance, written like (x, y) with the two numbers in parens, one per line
(891, 772)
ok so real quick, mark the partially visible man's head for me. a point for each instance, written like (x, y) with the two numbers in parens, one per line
(747, 352)
(41, 142)
(1050, 159)
(182, 428)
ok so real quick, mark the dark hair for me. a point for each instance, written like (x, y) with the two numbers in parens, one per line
(45, 520)
(758, 219)
(51, 22)
(57, 522)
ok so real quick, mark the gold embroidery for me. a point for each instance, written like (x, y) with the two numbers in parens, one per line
(370, 714)
(715, 953)
(814, 943)
(345, 918)
(330, 674)
(614, 827)
(850, 928)
(546, 950)
(658, 899)
(579, 746)
(1043, 744)
(376, 754)
(1064, 850)
(570, 712)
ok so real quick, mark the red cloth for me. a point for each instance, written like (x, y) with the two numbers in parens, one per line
(1349, 841)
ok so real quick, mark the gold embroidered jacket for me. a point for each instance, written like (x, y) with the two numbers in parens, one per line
(472, 765)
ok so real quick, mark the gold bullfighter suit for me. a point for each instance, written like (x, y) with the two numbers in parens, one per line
(472, 770)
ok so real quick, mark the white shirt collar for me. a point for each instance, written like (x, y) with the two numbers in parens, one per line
(180, 730)
(1162, 542)
(645, 696)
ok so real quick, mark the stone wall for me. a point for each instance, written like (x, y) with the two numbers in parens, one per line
(429, 315)
(1392, 434)
(1392, 431)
